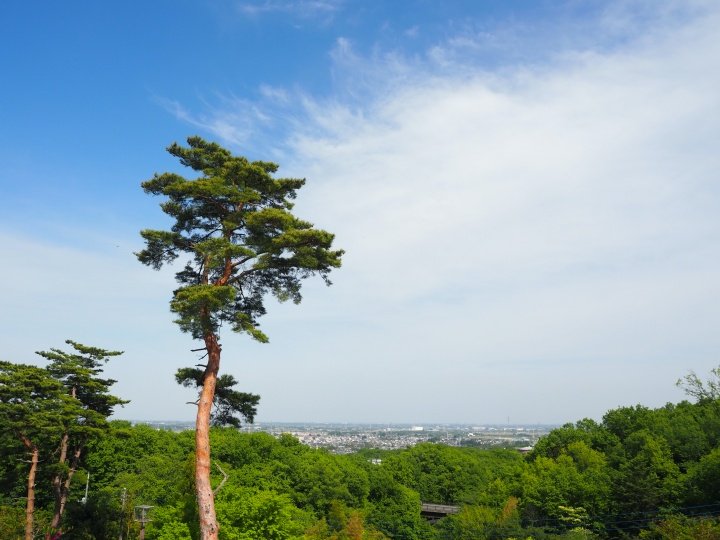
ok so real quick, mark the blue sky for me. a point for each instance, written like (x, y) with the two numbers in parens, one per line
(527, 193)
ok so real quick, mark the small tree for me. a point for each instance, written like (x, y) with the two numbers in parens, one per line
(35, 408)
(79, 372)
(235, 224)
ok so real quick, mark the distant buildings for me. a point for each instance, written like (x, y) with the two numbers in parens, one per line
(348, 438)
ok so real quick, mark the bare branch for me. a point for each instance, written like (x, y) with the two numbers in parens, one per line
(246, 259)
(225, 477)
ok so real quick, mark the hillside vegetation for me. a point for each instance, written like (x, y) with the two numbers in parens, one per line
(640, 472)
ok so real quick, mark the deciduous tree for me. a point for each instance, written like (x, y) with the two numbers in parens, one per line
(234, 224)
(702, 391)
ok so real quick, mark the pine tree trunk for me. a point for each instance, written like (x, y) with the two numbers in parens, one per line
(30, 507)
(61, 489)
(62, 492)
(57, 484)
(203, 487)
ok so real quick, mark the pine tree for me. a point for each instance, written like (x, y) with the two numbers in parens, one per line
(242, 242)
(35, 409)
(79, 372)
(228, 403)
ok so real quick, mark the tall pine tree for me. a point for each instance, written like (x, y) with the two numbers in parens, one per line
(234, 224)
(36, 409)
(80, 373)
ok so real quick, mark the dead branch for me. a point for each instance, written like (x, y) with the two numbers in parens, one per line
(225, 477)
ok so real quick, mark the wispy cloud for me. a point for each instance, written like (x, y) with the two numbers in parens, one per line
(576, 166)
(560, 215)
(543, 216)
(231, 119)
(299, 8)
(99, 295)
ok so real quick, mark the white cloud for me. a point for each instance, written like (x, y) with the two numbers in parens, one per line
(232, 119)
(274, 94)
(98, 295)
(302, 8)
(539, 219)
(536, 240)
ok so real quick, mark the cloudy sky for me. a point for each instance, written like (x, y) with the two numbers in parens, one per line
(527, 193)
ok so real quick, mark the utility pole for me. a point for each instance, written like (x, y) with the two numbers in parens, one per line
(123, 498)
(141, 515)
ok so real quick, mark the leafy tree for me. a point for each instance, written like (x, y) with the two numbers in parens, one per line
(100, 517)
(234, 223)
(681, 426)
(624, 421)
(79, 372)
(343, 523)
(649, 480)
(707, 396)
(702, 391)
(319, 479)
(394, 508)
(247, 514)
(703, 482)
(447, 475)
(556, 442)
(130, 450)
(35, 408)
(550, 484)
(11, 520)
(168, 524)
(679, 527)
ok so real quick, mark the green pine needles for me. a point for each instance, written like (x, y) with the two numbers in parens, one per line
(235, 223)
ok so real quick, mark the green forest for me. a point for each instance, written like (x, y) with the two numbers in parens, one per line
(638, 473)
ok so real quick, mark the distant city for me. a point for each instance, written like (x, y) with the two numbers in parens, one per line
(347, 438)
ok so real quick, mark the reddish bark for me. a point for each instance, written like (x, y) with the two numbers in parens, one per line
(30, 507)
(203, 488)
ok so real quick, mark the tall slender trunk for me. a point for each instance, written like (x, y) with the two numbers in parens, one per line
(57, 483)
(61, 488)
(30, 507)
(203, 487)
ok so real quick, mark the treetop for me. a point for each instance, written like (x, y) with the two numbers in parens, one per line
(234, 221)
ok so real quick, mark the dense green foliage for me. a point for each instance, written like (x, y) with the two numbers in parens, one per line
(234, 223)
(55, 413)
(639, 473)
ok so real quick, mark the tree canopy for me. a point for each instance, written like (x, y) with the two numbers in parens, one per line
(234, 226)
(36, 410)
(235, 223)
(645, 473)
